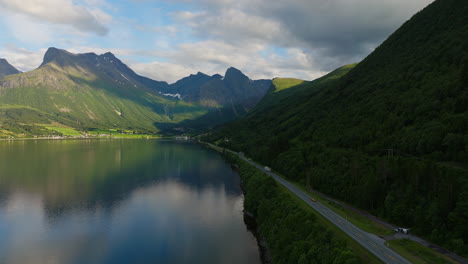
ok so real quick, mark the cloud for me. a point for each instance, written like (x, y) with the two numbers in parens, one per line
(230, 25)
(61, 12)
(213, 57)
(264, 39)
(334, 32)
(163, 71)
(22, 59)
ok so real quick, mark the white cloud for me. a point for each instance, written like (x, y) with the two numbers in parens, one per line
(22, 59)
(333, 32)
(163, 71)
(317, 36)
(264, 39)
(231, 25)
(210, 57)
(98, 50)
(61, 12)
(213, 57)
(102, 17)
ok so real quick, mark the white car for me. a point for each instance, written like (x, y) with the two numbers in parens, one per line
(402, 230)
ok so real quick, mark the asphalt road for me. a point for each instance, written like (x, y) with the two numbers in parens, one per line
(410, 236)
(371, 242)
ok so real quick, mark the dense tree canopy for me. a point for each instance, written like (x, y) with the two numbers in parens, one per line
(390, 136)
(293, 234)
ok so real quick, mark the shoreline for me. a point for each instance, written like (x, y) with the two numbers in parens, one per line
(251, 224)
(78, 138)
(249, 219)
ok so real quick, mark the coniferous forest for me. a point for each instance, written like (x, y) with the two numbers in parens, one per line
(389, 136)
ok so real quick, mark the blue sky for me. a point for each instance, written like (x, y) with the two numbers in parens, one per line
(167, 40)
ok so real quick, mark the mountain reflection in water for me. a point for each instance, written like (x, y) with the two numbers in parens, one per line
(119, 201)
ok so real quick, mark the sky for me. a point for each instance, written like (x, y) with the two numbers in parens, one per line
(170, 39)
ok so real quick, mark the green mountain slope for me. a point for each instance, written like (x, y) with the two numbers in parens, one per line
(285, 83)
(85, 91)
(99, 92)
(390, 136)
(6, 68)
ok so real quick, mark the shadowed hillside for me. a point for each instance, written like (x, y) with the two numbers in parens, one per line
(390, 136)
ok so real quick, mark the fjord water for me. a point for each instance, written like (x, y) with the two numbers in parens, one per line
(119, 201)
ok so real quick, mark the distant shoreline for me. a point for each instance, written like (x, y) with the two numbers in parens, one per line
(68, 138)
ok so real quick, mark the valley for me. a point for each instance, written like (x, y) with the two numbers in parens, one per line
(335, 169)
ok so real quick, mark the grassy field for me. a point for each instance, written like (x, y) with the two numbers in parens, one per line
(105, 131)
(417, 253)
(119, 133)
(83, 100)
(134, 136)
(8, 106)
(66, 131)
(285, 83)
(59, 129)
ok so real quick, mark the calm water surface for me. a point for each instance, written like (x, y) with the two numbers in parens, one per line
(119, 201)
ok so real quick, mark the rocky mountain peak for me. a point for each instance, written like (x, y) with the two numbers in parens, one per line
(57, 55)
(6, 68)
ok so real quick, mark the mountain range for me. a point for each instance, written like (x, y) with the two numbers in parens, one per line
(388, 135)
(90, 91)
(234, 88)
